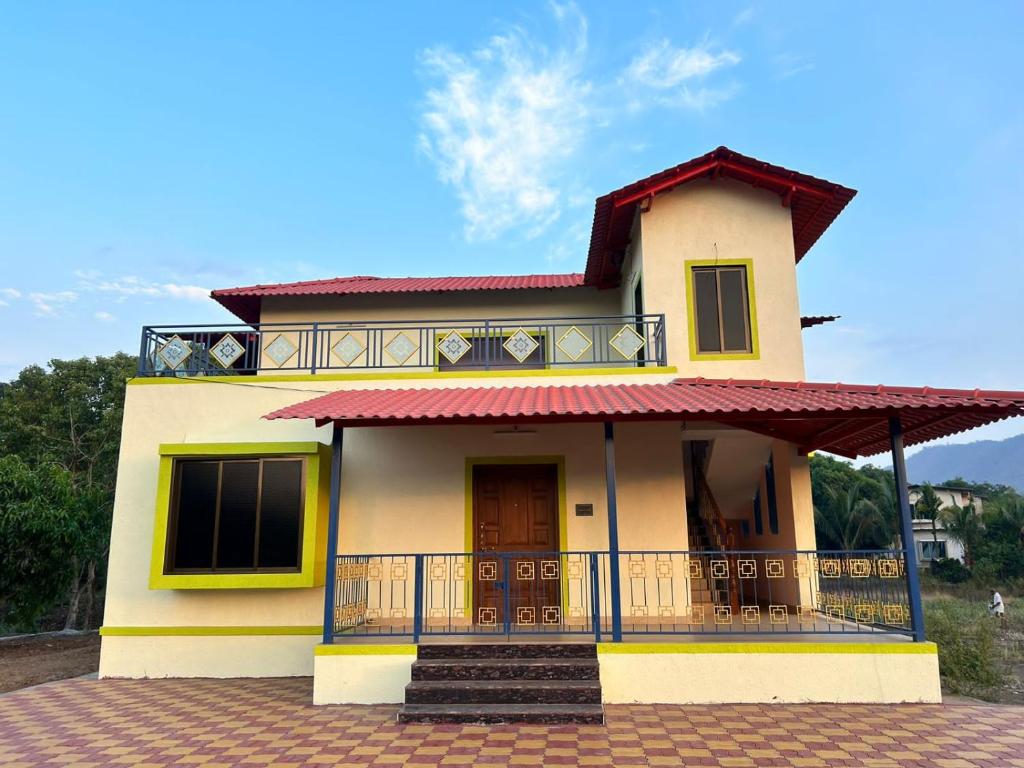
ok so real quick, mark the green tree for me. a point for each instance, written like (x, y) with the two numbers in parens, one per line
(928, 507)
(68, 417)
(964, 526)
(851, 519)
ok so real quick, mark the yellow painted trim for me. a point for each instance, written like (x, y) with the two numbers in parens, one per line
(781, 647)
(314, 543)
(106, 631)
(279, 378)
(364, 650)
(755, 353)
(563, 511)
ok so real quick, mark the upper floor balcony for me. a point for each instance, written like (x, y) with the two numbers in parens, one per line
(498, 344)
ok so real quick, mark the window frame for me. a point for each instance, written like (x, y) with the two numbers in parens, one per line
(690, 267)
(173, 514)
(313, 520)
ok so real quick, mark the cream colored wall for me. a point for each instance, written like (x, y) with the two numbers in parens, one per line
(197, 656)
(367, 676)
(725, 219)
(403, 490)
(734, 673)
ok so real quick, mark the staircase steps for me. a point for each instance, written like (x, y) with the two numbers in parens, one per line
(504, 682)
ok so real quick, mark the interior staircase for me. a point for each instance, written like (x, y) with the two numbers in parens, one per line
(504, 683)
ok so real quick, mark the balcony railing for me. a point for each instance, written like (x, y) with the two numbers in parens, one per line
(436, 345)
(661, 593)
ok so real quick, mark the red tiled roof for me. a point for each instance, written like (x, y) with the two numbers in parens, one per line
(809, 321)
(843, 418)
(815, 204)
(245, 301)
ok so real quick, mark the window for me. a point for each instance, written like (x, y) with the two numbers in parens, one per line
(236, 515)
(933, 550)
(721, 310)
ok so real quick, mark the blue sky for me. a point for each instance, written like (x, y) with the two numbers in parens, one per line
(150, 152)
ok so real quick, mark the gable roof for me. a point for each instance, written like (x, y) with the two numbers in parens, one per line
(848, 419)
(245, 301)
(815, 204)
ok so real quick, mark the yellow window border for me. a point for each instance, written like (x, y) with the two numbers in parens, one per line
(691, 309)
(314, 543)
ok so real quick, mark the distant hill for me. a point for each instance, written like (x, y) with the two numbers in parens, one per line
(986, 461)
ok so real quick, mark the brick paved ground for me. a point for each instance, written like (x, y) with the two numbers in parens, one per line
(272, 723)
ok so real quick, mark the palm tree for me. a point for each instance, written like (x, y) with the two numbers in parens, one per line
(927, 508)
(851, 518)
(1012, 511)
(963, 526)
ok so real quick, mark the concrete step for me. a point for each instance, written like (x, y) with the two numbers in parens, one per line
(503, 692)
(505, 669)
(507, 651)
(549, 714)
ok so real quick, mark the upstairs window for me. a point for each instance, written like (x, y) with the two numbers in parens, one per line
(236, 515)
(721, 310)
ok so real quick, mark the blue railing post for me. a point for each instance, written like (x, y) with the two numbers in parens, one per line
(417, 620)
(507, 600)
(899, 470)
(595, 597)
(613, 531)
(333, 513)
(313, 351)
(143, 350)
(487, 345)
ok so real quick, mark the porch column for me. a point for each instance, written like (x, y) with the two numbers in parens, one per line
(899, 470)
(333, 513)
(613, 531)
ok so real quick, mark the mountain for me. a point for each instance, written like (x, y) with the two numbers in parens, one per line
(986, 461)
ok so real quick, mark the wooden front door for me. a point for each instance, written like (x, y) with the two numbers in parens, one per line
(515, 512)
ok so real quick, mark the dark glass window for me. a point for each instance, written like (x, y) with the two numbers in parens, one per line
(773, 502)
(722, 309)
(236, 515)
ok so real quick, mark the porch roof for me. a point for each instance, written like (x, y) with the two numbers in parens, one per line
(847, 419)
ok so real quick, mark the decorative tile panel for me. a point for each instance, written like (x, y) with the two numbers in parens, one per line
(747, 569)
(574, 343)
(750, 614)
(719, 569)
(775, 569)
(525, 570)
(778, 614)
(695, 569)
(889, 568)
(830, 567)
(627, 342)
(637, 569)
(488, 570)
(487, 616)
(860, 568)
(227, 350)
(348, 349)
(453, 346)
(175, 352)
(574, 570)
(696, 614)
(401, 348)
(280, 350)
(548, 570)
(723, 614)
(663, 569)
(520, 345)
(551, 614)
(526, 616)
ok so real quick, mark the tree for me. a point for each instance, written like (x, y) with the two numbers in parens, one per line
(928, 507)
(68, 418)
(963, 526)
(851, 519)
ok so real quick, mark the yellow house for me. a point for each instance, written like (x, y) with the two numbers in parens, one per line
(518, 497)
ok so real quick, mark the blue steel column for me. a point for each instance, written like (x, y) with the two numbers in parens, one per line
(899, 470)
(333, 513)
(613, 531)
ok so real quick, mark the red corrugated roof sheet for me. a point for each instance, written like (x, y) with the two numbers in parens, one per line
(843, 418)
(245, 301)
(815, 204)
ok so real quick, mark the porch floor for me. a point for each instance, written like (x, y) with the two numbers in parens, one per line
(273, 722)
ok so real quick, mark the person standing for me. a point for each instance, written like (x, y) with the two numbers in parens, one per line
(996, 607)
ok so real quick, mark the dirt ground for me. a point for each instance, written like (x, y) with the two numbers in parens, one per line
(35, 659)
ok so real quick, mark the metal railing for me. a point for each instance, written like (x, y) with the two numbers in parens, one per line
(661, 592)
(489, 344)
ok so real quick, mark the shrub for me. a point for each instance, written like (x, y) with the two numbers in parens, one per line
(965, 635)
(950, 570)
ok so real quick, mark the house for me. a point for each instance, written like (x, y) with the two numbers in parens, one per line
(439, 489)
(934, 543)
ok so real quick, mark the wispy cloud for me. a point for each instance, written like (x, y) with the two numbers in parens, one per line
(743, 17)
(790, 64)
(52, 304)
(104, 317)
(676, 76)
(131, 285)
(499, 122)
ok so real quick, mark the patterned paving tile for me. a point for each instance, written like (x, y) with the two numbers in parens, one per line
(271, 723)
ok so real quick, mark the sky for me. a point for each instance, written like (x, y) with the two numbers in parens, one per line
(151, 152)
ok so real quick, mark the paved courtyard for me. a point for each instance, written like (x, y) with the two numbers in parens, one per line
(272, 723)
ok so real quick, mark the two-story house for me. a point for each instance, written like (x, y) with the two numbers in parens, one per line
(520, 496)
(931, 538)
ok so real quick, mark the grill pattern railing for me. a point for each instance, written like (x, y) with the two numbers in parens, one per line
(492, 344)
(753, 592)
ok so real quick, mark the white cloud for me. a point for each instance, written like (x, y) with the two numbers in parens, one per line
(743, 17)
(104, 317)
(500, 123)
(52, 304)
(10, 293)
(675, 77)
(131, 285)
(790, 64)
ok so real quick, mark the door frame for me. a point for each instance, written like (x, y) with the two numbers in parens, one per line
(469, 533)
